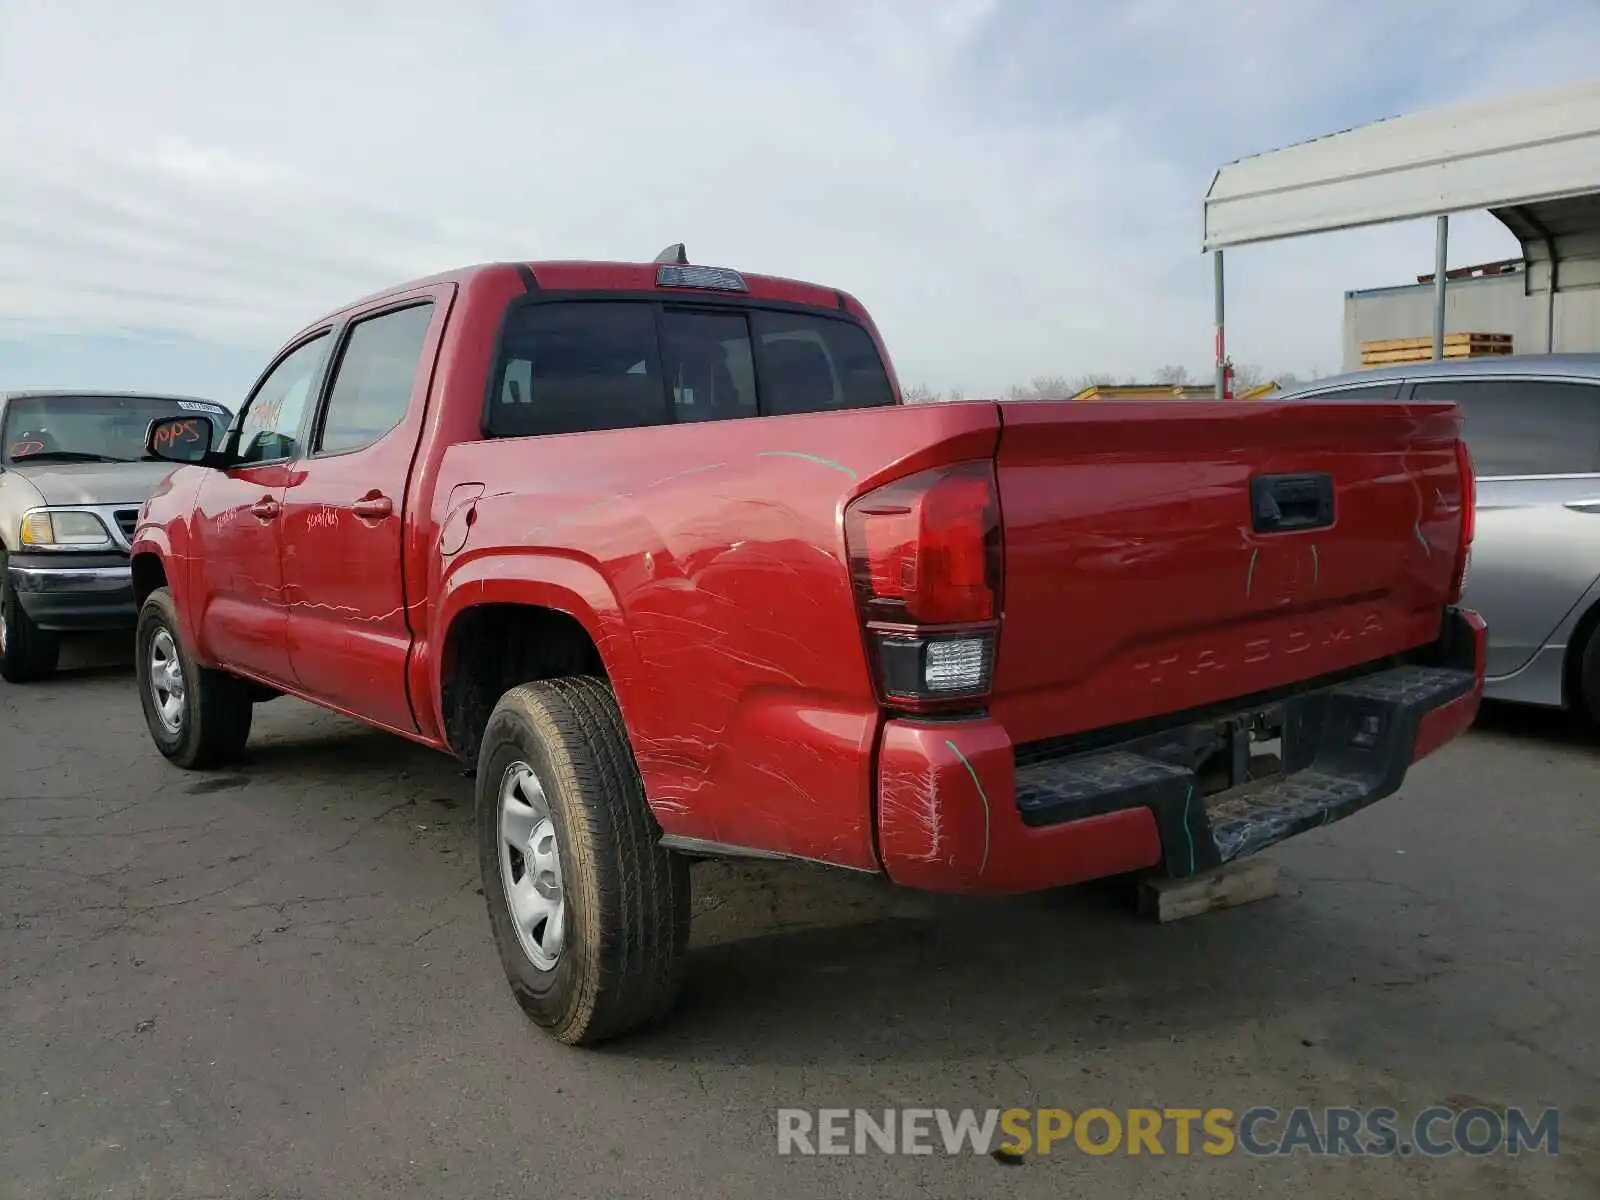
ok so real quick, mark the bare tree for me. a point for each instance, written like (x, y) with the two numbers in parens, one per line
(1051, 387)
(1176, 376)
(1089, 381)
(956, 394)
(920, 394)
(1042, 387)
(1245, 377)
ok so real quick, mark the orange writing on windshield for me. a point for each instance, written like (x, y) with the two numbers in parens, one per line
(174, 432)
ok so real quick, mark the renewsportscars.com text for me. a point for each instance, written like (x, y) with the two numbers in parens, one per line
(1260, 1131)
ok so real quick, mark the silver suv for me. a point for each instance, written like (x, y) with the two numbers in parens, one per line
(73, 476)
(1533, 426)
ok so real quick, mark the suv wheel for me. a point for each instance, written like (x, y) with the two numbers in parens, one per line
(27, 652)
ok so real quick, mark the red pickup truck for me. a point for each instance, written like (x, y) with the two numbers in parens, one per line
(658, 551)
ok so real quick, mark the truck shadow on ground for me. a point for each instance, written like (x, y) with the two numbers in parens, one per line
(1562, 726)
(798, 965)
(915, 978)
(95, 655)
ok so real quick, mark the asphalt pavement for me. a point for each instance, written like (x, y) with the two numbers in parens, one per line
(277, 981)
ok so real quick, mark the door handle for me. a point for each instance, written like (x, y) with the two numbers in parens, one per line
(1283, 503)
(265, 508)
(373, 507)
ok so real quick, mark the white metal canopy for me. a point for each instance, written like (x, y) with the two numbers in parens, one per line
(1532, 159)
(1511, 151)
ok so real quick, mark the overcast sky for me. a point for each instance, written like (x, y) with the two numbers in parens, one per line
(1012, 186)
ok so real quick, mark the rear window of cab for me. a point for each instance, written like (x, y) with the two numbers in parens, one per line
(574, 366)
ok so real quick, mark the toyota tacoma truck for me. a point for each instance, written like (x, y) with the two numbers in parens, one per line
(73, 471)
(658, 552)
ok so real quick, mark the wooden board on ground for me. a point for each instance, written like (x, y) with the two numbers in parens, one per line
(1241, 882)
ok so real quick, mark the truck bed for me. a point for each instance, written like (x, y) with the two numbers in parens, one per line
(710, 563)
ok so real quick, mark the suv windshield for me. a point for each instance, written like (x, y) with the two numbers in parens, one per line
(94, 428)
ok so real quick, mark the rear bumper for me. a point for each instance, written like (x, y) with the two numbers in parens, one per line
(961, 809)
(74, 593)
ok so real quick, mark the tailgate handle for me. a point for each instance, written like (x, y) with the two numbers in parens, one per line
(1282, 503)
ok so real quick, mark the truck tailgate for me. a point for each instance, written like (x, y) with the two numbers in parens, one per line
(1137, 558)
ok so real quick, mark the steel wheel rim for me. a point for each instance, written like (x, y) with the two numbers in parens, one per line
(166, 681)
(530, 866)
(4, 632)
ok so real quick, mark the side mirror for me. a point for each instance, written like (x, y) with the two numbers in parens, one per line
(180, 440)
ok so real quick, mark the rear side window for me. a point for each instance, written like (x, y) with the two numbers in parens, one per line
(1525, 426)
(372, 386)
(574, 366)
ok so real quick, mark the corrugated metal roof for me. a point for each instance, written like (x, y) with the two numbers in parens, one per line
(1517, 150)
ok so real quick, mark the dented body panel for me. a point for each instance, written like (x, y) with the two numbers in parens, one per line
(708, 565)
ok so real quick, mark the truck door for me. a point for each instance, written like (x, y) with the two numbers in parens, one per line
(237, 566)
(349, 635)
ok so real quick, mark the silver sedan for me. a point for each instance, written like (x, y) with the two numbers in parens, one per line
(1532, 424)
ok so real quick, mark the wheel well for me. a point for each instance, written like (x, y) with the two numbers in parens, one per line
(1572, 666)
(148, 575)
(492, 648)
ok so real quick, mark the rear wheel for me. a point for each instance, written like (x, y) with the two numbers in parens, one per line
(1585, 678)
(198, 717)
(27, 652)
(589, 913)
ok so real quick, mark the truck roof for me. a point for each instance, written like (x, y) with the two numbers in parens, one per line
(575, 275)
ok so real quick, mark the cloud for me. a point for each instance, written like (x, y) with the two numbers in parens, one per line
(1013, 188)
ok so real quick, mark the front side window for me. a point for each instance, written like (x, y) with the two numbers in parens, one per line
(67, 428)
(371, 391)
(270, 428)
(1525, 426)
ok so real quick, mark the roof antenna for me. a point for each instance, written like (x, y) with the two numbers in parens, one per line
(674, 255)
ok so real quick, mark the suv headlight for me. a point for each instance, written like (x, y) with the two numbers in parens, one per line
(63, 529)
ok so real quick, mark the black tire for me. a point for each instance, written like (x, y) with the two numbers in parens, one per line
(1583, 676)
(27, 653)
(626, 912)
(213, 719)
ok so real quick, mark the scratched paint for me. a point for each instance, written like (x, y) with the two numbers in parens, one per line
(811, 458)
(988, 817)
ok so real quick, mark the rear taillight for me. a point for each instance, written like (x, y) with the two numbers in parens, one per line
(925, 562)
(1469, 521)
